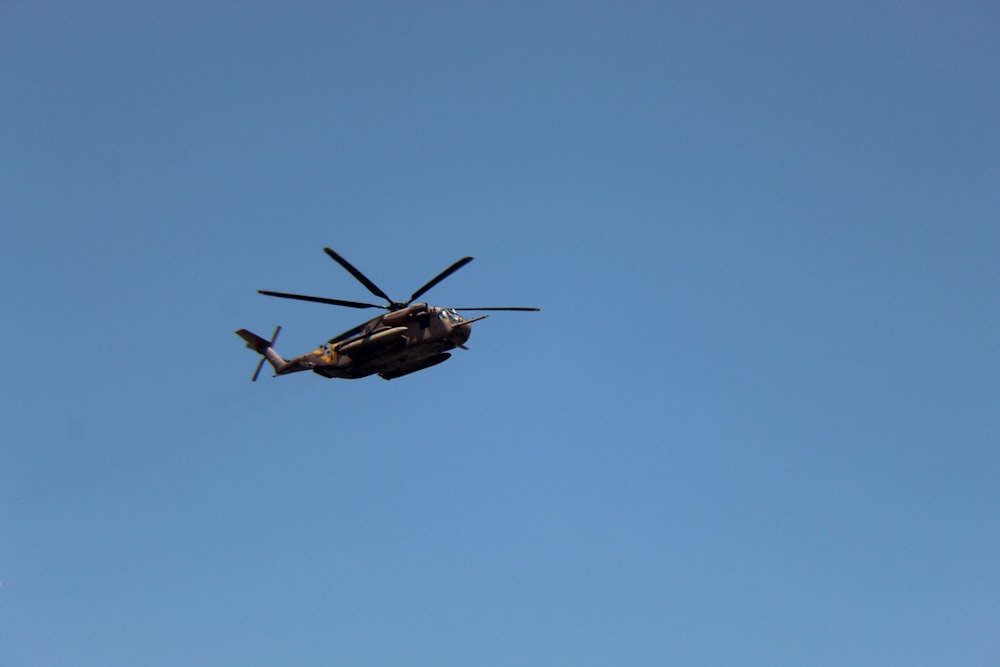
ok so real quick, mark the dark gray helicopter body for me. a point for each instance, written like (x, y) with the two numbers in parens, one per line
(409, 338)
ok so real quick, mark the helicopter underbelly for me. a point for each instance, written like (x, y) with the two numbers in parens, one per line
(392, 363)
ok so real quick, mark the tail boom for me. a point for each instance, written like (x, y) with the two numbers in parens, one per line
(265, 348)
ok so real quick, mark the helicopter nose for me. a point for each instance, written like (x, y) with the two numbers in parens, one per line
(461, 334)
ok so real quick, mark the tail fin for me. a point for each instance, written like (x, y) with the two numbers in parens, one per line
(265, 348)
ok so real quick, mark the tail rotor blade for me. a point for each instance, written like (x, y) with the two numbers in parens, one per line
(257, 372)
(260, 364)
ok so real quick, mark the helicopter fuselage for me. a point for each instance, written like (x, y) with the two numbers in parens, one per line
(391, 345)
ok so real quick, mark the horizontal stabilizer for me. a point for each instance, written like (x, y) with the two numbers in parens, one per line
(254, 342)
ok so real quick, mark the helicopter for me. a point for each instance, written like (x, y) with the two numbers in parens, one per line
(410, 337)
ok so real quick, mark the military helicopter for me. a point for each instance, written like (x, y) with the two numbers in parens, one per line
(409, 338)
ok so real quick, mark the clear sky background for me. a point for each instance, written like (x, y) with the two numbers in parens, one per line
(756, 422)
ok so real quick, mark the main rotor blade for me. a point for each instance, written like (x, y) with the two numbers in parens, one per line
(518, 308)
(362, 278)
(439, 277)
(322, 299)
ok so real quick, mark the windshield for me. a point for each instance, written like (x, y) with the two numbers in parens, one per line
(451, 315)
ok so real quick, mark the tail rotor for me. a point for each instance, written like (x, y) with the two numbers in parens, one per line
(260, 365)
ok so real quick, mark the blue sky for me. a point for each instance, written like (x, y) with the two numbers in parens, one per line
(755, 423)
